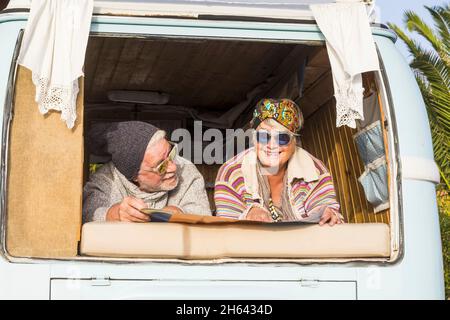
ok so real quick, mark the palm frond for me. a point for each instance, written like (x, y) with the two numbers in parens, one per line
(444, 11)
(414, 47)
(433, 68)
(432, 71)
(415, 23)
(443, 26)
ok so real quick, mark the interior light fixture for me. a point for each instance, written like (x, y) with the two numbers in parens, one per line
(141, 97)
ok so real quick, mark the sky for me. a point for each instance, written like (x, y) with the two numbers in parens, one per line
(392, 11)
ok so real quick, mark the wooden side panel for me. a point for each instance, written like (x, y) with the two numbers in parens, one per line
(44, 178)
(336, 148)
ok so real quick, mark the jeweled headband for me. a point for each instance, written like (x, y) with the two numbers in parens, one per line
(284, 111)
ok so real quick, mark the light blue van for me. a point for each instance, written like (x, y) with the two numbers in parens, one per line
(212, 53)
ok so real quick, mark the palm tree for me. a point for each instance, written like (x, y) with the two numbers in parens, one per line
(432, 71)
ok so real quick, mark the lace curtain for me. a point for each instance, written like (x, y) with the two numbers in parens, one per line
(351, 50)
(53, 48)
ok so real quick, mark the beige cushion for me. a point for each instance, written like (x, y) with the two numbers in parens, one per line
(189, 241)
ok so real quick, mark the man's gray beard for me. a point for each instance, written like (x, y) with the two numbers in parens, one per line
(162, 187)
(171, 187)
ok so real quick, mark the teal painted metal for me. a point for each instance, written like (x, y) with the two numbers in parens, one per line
(417, 275)
(159, 26)
(9, 32)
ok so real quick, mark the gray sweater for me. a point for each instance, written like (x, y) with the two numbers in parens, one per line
(104, 189)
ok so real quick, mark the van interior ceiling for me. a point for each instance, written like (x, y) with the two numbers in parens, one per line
(171, 83)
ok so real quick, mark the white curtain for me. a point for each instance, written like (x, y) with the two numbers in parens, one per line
(351, 50)
(53, 48)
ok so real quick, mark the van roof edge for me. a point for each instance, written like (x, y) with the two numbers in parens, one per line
(295, 10)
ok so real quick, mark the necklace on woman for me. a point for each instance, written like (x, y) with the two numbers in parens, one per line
(276, 216)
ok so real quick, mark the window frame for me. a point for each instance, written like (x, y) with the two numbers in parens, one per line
(268, 33)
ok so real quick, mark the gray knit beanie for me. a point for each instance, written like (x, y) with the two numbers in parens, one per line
(125, 142)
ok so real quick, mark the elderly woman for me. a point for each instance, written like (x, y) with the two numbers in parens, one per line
(276, 180)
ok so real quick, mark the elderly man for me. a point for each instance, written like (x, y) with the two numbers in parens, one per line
(144, 172)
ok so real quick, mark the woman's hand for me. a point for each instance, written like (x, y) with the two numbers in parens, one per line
(330, 217)
(258, 214)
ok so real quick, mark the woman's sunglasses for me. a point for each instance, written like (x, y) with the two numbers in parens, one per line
(281, 138)
(161, 169)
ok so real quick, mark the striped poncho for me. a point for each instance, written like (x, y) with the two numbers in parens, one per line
(310, 187)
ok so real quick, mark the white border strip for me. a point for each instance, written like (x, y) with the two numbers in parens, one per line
(415, 168)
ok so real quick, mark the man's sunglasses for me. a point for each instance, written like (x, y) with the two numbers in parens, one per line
(161, 169)
(281, 138)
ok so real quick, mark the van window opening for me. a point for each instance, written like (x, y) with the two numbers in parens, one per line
(178, 86)
(163, 78)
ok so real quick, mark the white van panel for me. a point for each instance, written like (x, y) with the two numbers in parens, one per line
(286, 9)
(415, 168)
(418, 273)
(176, 289)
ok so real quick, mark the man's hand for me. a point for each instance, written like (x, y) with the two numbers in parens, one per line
(258, 214)
(329, 217)
(128, 210)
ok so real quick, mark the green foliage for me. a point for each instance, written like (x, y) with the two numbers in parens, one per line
(444, 217)
(431, 68)
(93, 167)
